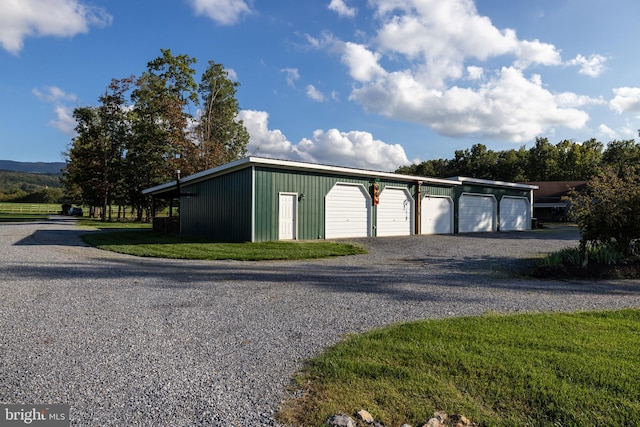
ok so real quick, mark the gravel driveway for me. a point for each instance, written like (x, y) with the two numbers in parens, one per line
(130, 341)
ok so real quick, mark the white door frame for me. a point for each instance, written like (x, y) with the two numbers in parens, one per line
(283, 226)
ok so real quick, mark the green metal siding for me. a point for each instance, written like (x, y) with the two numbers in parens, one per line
(218, 208)
(270, 182)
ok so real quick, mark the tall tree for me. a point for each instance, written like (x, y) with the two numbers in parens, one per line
(95, 158)
(164, 96)
(221, 137)
(543, 161)
(621, 155)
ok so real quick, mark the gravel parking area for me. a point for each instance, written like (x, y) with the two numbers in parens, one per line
(130, 341)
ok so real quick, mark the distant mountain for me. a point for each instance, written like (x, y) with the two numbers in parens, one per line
(32, 167)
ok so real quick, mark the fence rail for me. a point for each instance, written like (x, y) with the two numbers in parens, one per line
(34, 208)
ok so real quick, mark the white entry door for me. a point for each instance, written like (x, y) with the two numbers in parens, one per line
(287, 217)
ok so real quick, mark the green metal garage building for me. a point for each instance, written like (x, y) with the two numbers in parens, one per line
(258, 199)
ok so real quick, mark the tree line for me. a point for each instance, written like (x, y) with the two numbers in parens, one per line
(146, 128)
(23, 187)
(565, 161)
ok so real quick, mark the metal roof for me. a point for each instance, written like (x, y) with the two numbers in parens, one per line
(293, 165)
(489, 183)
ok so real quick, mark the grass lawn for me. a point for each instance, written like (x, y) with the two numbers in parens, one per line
(110, 225)
(498, 370)
(151, 244)
(21, 217)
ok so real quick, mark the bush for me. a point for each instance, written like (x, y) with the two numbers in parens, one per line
(603, 254)
(607, 213)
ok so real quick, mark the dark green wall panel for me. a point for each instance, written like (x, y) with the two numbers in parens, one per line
(219, 208)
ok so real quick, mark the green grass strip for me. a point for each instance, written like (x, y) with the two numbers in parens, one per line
(514, 370)
(21, 217)
(151, 244)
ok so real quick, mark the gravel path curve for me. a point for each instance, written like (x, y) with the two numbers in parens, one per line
(130, 341)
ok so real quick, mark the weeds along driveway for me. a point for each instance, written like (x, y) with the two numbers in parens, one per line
(127, 341)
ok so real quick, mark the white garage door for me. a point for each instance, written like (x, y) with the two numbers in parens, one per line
(347, 212)
(515, 213)
(395, 212)
(477, 212)
(436, 215)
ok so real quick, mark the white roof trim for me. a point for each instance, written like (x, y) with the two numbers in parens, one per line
(261, 161)
(464, 179)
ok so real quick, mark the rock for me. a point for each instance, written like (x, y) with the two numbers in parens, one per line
(458, 420)
(340, 420)
(433, 422)
(365, 416)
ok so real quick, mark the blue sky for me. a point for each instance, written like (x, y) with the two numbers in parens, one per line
(365, 83)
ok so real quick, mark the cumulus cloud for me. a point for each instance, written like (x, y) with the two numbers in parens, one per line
(592, 66)
(363, 63)
(41, 18)
(341, 8)
(61, 101)
(626, 99)
(262, 140)
(353, 149)
(441, 64)
(509, 106)
(224, 12)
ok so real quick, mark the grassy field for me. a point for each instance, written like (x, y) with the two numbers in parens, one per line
(150, 244)
(517, 370)
(112, 225)
(30, 208)
(19, 217)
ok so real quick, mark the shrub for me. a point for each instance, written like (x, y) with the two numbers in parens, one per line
(607, 213)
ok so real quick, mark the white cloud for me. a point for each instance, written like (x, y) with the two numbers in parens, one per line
(607, 131)
(232, 74)
(352, 149)
(225, 12)
(262, 140)
(341, 8)
(53, 94)
(475, 73)
(507, 107)
(65, 122)
(315, 94)
(441, 64)
(592, 66)
(292, 75)
(40, 18)
(626, 99)
(60, 100)
(363, 64)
